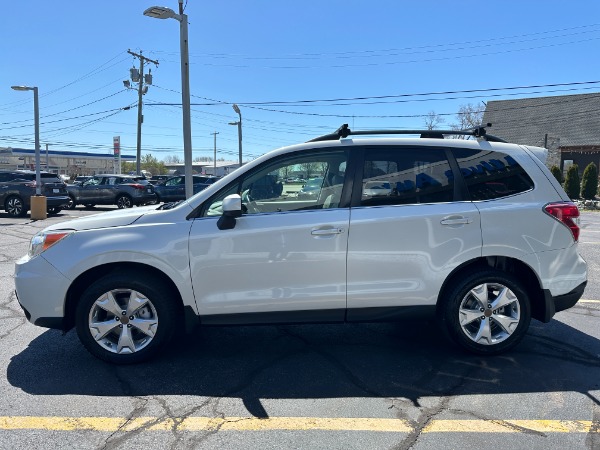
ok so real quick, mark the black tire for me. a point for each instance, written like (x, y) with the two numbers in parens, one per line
(158, 311)
(124, 201)
(54, 210)
(72, 203)
(487, 312)
(89, 205)
(15, 206)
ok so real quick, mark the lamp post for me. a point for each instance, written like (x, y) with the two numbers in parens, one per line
(160, 12)
(236, 108)
(38, 205)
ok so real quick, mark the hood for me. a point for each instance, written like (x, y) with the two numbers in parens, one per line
(117, 218)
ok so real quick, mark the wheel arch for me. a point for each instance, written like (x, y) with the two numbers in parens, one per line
(540, 308)
(143, 270)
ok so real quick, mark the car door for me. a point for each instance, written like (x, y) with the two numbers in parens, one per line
(403, 243)
(89, 191)
(285, 259)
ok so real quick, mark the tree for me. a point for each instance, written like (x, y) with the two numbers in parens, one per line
(432, 120)
(173, 159)
(557, 173)
(469, 116)
(589, 182)
(572, 183)
(148, 162)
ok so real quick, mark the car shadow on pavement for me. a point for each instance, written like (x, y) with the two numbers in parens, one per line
(316, 361)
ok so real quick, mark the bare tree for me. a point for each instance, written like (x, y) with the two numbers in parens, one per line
(469, 116)
(172, 159)
(432, 120)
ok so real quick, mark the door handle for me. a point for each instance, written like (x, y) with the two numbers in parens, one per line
(327, 231)
(456, 220)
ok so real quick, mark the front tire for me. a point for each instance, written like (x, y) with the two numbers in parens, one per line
(126, 318)
(54, 210)
(72, 203)
(487, 312)
(124, 201)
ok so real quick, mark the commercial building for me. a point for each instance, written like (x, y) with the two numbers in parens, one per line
(61, 162)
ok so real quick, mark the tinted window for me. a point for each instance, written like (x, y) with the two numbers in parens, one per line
(490, 174)
(405, 175)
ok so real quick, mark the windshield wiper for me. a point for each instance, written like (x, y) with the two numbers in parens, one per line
(169, 205)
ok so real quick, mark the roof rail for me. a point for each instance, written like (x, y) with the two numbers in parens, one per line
(344, 131)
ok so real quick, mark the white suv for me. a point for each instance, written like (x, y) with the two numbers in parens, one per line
(477, 233)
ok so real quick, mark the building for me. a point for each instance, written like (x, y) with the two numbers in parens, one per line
(567, 125)
(61, 162)
(205, 167)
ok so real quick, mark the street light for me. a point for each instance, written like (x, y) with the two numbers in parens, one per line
(236, 108)
(39, 212)
(161, 12)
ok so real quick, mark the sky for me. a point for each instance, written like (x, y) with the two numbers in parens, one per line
(297, 70)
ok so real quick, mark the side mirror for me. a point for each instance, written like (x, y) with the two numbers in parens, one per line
(232, 208)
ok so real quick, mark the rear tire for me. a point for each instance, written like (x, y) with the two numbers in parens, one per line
(487, 312)
(126, 318)
(54, 210)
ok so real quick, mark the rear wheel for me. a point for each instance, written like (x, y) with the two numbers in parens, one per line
(487, 312)
(54, 210)
(15, 207)
(124, 318)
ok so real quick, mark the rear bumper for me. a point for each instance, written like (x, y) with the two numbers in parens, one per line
(54, 202)
(559, 303)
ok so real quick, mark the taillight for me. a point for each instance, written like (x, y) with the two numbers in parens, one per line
(566, 213)
(138, 186)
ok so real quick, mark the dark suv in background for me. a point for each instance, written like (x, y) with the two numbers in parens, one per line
(18, 186)
(124, 191)
(173, 189)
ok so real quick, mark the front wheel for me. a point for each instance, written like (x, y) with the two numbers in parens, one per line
(72, 203)
(124, 201)
(54, 210)
(487, 312)
(126, 318)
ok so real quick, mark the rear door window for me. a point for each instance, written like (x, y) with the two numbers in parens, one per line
(406, 175)
(490, 174)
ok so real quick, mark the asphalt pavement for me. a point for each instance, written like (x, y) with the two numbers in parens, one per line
(359, 386)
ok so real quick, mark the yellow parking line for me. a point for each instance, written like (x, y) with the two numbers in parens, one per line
(112, 424)
(589, 301)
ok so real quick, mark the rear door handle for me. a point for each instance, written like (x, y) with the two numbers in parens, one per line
(456, 220)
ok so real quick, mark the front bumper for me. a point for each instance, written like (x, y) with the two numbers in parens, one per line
(42, 307)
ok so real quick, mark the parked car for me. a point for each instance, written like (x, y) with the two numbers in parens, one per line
(377, 188)
(159, 179)
(124, 191)
(18, 186)
(79, 180)
(173, 189)
(481, 262)
(311, 189)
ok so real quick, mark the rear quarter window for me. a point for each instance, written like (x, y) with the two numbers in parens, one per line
(490, 175)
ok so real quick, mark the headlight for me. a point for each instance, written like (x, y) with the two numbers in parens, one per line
(44, 240)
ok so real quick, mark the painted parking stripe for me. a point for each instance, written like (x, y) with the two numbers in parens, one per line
(589, 301)
(112, 424)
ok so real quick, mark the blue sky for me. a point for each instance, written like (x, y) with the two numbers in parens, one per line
(258, 52)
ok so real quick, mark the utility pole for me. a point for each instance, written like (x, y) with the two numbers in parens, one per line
(139, 77)
(215, 159)
(47, 165)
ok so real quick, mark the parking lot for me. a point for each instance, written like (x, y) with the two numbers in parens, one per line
(357, 386)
